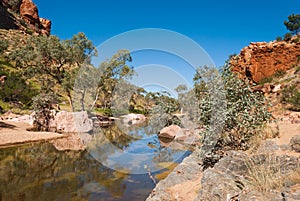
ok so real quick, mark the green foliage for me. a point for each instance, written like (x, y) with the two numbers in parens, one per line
(266, 80)
(3, 45)
(280, 73)
(112, 72)
(279, 38)
(103, 111)
(16, 90)
(53, 62)
(297, 70)
(15, 4)
(162, 111)
(291, 95)
(293, 23)
(287, 37)
(245, 112)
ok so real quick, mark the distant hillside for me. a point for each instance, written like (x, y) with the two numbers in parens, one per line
(23, 15)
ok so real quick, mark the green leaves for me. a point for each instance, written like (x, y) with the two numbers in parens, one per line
(53, 61)
(244, 112)
(293, 23)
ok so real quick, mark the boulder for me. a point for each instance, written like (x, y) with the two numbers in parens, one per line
(170, 132)
(71, 122)
(295, 143)
(29, 12)
(46, 24)
(276, 88)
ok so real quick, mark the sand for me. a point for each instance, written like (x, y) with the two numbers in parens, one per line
(13, 133)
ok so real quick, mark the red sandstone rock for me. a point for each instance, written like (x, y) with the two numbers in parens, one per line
(261, 60)
(29, 12)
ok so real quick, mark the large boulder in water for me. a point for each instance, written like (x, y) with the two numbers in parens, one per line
(170, 132)
(71, 122)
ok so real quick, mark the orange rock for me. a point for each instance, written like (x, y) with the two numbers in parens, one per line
(29, 11)
(261, 60)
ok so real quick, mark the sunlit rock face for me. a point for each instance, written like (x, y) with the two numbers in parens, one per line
(260, 60)
(26, 18)
(71, 122)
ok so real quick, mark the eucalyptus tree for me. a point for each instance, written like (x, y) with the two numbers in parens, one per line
(54, 62)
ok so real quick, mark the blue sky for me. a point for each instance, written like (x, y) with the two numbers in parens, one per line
(220, 27)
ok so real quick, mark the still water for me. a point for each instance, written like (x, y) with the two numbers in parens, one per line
(110, 169)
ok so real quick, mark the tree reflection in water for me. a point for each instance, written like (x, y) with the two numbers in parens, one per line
(38, 171)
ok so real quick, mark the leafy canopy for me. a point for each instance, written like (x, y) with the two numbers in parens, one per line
(293, 23)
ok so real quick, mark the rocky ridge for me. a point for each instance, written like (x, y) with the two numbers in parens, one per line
(260, 60)
(23, 15)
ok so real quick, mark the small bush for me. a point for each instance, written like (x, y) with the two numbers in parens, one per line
(3, 45)
(288, 37)
(279, 38)
(17, 90)
(280, 73)
(296, 40)
(291, 95)
(266, 80)
(297, 70)
(264, 173)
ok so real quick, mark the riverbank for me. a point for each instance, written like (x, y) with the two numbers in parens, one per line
(14, 133)
(228, 178)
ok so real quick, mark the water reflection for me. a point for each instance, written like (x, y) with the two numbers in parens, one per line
(131, 149)
(39, 172)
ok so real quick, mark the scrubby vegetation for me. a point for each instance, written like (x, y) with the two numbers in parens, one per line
(244, 113)
(291, 95)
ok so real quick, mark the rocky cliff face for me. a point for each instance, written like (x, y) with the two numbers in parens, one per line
(23, 15)
(260, 60)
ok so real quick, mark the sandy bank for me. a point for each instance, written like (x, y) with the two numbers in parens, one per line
(12, 133)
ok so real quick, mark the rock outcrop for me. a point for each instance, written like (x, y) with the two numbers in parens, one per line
(295, 143)
(23, 15)
(260, 60)
(71, 122)
(170, 132)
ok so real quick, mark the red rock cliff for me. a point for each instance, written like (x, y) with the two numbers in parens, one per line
(28, 12)
(260, 60)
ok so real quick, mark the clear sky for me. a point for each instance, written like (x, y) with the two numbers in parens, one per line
(220, 27)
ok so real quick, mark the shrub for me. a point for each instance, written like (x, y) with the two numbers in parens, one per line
(16, 90)
(266, 80)
(288, 37)
(295, 101)
(3, 45)
(291, 95)
(246, 113)
(265, 173)
(279, 73)
(297, 70)
(279, 38)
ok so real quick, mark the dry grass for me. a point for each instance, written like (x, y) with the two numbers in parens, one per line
(266, 174)
(267, 132)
